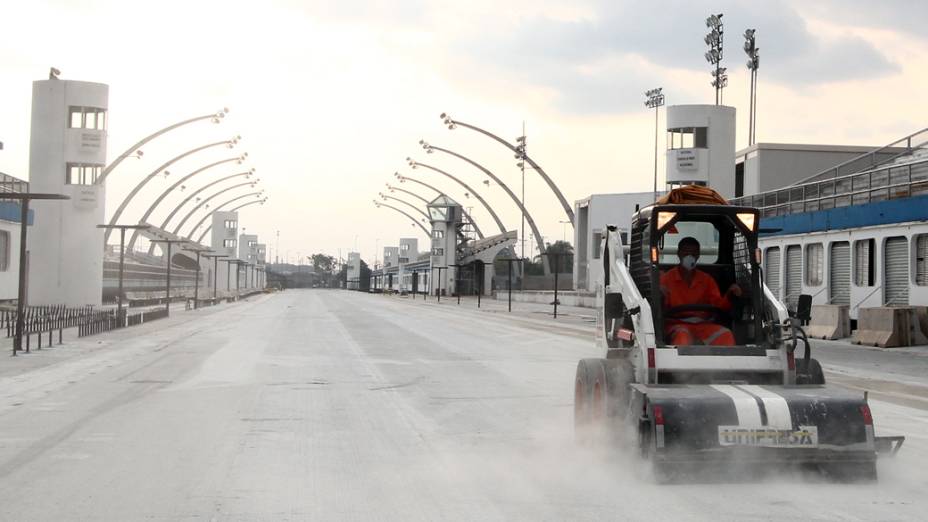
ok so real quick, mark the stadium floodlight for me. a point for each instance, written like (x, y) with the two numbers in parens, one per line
(715, 41)
(751, 49)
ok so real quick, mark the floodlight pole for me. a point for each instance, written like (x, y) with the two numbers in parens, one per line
(655, 100)
(122, 261)
(24, 199)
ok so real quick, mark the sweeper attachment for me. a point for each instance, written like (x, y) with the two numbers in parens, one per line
(760, 403)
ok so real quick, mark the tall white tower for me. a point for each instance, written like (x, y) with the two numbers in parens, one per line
(67, 153)
(445, 214)
(701, 146)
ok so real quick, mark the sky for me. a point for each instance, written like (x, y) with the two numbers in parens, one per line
(331, 97)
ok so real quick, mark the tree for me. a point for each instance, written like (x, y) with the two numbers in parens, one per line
(565, 259)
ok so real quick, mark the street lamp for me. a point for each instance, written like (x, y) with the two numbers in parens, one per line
(714, 55)
(655, 100)
(751, 49)
(495, 178)
(215, 117)
(247, 174)
(414, 164)
(122, 262)
(453, 124)
(230, 143)
(256, 194)
(179, 183)
(379, 204)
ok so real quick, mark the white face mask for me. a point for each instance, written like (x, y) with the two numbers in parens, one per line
(689, 262)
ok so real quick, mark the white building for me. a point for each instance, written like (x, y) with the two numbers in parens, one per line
(391, 255)
(224, 241)
(592, 214)
(67, 153)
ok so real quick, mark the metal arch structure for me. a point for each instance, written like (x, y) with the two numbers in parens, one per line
(144, 219)
(233, 200)
(424, 230)
(261, 201)
(174, 212)
(151, 176)
(391, 188)
(215, 117)
(452, 123)
(403, 201)
(207, 200)
(403, 178)
(515, 199)
(414, 164)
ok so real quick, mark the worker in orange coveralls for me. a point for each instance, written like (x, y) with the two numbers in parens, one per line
(685, 284)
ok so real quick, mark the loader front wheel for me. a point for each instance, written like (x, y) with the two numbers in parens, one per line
(590, 401)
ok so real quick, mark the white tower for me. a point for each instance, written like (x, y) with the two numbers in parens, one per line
(445, 214)
(67, 153)
(701, 146)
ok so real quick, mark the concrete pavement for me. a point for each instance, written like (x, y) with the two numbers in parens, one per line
(333, 405)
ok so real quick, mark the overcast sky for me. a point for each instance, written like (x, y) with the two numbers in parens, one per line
(331, 97)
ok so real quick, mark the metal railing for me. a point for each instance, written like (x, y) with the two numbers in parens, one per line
(875, 158)
(12, 184)
(894, 181)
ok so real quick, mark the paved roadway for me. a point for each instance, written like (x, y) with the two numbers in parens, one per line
(328, 405)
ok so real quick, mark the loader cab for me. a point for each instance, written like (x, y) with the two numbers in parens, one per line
(728, 253)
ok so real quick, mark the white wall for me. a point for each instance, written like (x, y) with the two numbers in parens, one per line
(66, 247)
(9, 278)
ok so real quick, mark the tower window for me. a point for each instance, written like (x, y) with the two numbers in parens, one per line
(86, 118)
(82, 173)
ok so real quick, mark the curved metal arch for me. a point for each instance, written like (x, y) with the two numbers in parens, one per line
(528, 217)
(201, 189)
(207, 200)
(151, 176)
(499, 223)
(567, 209)
(261, 201)
(216, 116)
(440, 193)
(424, 230)
(410, 205)
(144, 219)
(233, 200)
(391, 188)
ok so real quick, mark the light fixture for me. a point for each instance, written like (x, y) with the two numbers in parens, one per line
(663, 218)
(715, 41)
(748, 219)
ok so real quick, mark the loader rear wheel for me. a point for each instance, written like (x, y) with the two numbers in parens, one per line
(590, 400)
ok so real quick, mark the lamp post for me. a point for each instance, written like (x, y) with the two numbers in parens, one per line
(215, 117)
(655, 100)
(24, 199)
(169, 243)
(515, 199)
(179, 183)
(714, 55)
(751, 49)
(154, 173)
(122, 260)
(453, 124)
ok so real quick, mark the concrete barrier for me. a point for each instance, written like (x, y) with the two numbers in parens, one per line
(830, 322)
(888, 327)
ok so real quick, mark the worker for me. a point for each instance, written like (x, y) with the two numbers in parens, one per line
(685, 284)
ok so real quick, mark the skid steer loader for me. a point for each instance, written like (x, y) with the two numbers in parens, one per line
(691, 408)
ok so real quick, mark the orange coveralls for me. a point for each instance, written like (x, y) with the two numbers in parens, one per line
(689, 326)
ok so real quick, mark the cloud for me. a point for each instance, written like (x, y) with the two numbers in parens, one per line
(589, 62)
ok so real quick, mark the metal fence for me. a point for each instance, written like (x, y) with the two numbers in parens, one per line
(884, 183)
(105, 321)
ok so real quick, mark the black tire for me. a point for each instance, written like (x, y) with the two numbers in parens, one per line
(813, 374)
(619, 374)
(589, 400)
